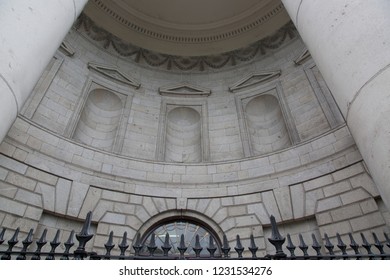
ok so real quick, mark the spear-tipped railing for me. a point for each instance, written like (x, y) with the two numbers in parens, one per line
(319, 248)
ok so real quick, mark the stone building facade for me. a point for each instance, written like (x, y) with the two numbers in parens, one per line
(221, 147)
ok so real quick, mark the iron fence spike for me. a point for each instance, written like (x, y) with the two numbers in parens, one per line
(69, 241)
(211, 248)
(290, 246)
(54, 244)
(87, 224)
(303, 246)
(42, 239)
(378, 244)
(152, 244)
(109, 245)
(366, 245)
(123, 245)
(341, 245)
(14, 238)
(68, 244)
(137, 245)
(182, 246)
(83, 237)
(40, 243)
(239, 249)
(225, 248)
(197, 248)
(124, 240)
(166, 241)
(28, 239)
(316, 245)
(11, 243)
(253, 248)
(110, 242)
(26, 242)
(328, 245)
(277, 239)
(166, 247)
(353, 244)
(56, 238)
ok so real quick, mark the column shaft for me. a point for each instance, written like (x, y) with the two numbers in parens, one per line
(30, 33)
(349, 40)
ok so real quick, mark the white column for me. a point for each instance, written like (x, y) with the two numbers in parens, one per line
(350, 42)
(30, 33)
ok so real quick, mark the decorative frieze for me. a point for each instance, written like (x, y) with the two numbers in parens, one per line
(184, 63)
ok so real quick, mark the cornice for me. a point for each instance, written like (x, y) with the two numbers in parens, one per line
(140, 55)
(155, 32)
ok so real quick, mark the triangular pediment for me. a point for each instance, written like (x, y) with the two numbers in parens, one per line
(255, 78)
(67, 49)
(302, 57)
(114, 73)
(184, 89)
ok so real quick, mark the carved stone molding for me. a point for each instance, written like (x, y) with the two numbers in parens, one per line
(254, 79)
(302, 57)
(184, 89)
(145, 28)
(113, 44)
(114, 73)
(67, 48)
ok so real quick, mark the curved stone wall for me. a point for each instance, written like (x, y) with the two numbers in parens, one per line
(315, 183)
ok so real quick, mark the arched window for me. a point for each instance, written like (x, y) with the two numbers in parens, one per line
(176, 228)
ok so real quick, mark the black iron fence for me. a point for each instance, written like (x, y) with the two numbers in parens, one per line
(283, 250)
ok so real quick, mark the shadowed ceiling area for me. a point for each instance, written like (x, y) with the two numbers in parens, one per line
(186, 27)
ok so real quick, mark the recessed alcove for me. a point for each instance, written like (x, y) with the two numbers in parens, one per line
(265, 123)
(99, 120)
(183, 136)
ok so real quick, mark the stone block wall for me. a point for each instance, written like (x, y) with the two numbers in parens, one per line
(58, 100)
(331, 191)
(318, 184)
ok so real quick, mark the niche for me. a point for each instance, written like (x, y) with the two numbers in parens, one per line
(99, 120)
(265, 124)
(183, 141)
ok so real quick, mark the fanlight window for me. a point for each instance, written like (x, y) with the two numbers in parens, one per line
(175, 229)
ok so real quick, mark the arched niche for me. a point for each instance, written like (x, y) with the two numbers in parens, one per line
(266, 126)
(183, 141)
(99, 120)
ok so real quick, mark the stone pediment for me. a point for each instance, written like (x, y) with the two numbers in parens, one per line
(302, 57)
(185, 90)
(114, 73)
(67, 49)
(253, 79)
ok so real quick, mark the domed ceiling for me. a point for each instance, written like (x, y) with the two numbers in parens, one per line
(189, 27)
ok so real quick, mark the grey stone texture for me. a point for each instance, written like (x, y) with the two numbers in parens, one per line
(317, 183)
